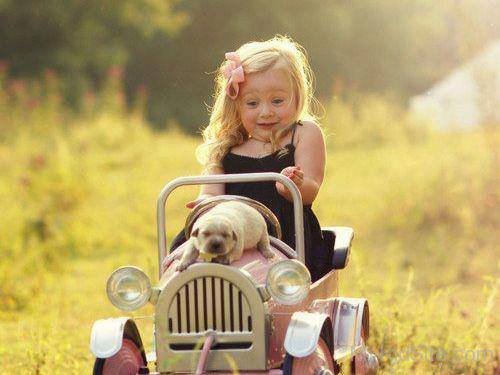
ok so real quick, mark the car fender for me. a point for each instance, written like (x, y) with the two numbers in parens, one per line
(107, 335)
(351, 317)
(303, 332)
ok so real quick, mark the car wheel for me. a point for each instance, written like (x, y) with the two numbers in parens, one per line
(127, 361)
(319, 362)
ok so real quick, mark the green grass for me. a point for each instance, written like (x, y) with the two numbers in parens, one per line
(79, 199)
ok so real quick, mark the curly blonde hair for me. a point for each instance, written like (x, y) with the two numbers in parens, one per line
(225, 129)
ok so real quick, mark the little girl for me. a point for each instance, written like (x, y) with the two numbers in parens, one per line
(262, 122)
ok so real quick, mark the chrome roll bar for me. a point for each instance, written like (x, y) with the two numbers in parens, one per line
(229, 178)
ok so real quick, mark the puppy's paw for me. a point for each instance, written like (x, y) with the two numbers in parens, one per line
(268, 253)
(189, 256)
(182, 266)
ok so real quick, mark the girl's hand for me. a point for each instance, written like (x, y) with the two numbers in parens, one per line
(293, 173)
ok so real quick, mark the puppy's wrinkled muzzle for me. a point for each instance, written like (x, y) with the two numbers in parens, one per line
(216, 247)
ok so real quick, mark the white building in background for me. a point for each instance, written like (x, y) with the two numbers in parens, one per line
(467, 98)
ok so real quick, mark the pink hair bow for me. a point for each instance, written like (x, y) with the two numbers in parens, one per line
(233, 71)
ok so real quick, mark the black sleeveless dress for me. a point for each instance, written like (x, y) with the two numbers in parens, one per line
(316, 253)
(317, 259)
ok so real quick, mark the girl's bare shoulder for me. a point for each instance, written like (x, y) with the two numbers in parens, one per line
(309, 132)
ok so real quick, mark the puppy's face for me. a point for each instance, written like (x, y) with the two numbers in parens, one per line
(215, 237)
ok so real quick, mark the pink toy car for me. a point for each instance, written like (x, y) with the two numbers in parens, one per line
(255, 316)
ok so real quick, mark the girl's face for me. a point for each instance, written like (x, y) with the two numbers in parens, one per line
(266, 102)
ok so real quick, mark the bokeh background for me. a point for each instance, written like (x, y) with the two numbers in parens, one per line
(101, 104)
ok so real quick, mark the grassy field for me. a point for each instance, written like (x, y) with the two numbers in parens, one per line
(79, 199)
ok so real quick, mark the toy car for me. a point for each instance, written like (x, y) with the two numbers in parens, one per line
(254, 316)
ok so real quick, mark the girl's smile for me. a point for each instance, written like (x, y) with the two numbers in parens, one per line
(267, 125)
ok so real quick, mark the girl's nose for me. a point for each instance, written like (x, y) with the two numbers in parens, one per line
(266, 110)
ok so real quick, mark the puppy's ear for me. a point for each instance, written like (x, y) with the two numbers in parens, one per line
(194, 233)
(235, 237)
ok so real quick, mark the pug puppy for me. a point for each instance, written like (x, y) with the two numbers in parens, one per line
(224, 232)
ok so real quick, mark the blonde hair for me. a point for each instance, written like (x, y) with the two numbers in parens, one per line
(225, 129)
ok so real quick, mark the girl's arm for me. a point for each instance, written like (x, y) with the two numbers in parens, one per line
(209, 190)
(310, 160)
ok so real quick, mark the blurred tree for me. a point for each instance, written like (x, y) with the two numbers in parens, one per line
(79, 39)
(171, 47)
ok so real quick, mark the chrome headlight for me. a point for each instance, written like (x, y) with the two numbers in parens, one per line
(288, 282)
(128, 288)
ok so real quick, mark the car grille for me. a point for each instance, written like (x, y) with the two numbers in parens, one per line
(210, 296)
(209, 303)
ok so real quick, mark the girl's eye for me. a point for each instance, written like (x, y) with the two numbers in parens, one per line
(278, 101)
(251, 103)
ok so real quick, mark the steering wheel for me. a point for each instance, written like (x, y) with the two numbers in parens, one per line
(273, 225)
